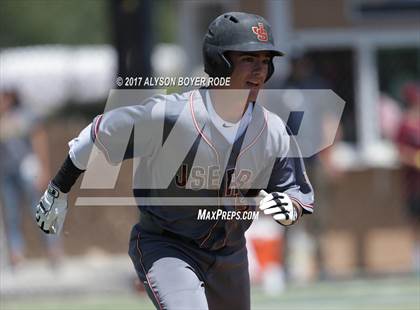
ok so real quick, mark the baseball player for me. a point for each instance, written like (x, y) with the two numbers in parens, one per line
(184, 262)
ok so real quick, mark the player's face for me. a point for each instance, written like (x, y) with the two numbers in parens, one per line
(250, 71)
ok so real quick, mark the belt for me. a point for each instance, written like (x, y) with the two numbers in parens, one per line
(148, 224)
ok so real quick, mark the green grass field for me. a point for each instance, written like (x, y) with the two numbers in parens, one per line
(374, 294)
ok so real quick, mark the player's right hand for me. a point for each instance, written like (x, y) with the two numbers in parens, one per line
(280, 207)
(51, 210)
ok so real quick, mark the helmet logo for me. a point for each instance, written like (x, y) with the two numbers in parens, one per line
(261, 33)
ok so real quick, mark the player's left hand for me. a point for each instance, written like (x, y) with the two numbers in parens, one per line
(280, 207)
(51, 210)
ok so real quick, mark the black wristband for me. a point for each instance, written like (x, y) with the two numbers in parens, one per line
(67, 176)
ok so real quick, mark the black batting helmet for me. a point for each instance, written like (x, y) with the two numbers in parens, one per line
(236, 31)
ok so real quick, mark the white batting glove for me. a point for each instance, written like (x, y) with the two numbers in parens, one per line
(280, 207)
(51, 210)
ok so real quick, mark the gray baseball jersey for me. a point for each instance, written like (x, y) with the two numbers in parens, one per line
(184, 155)
(179, 154)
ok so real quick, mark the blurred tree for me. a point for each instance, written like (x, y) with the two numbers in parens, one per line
(132, 22)
(33, 22)
(165, 23)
